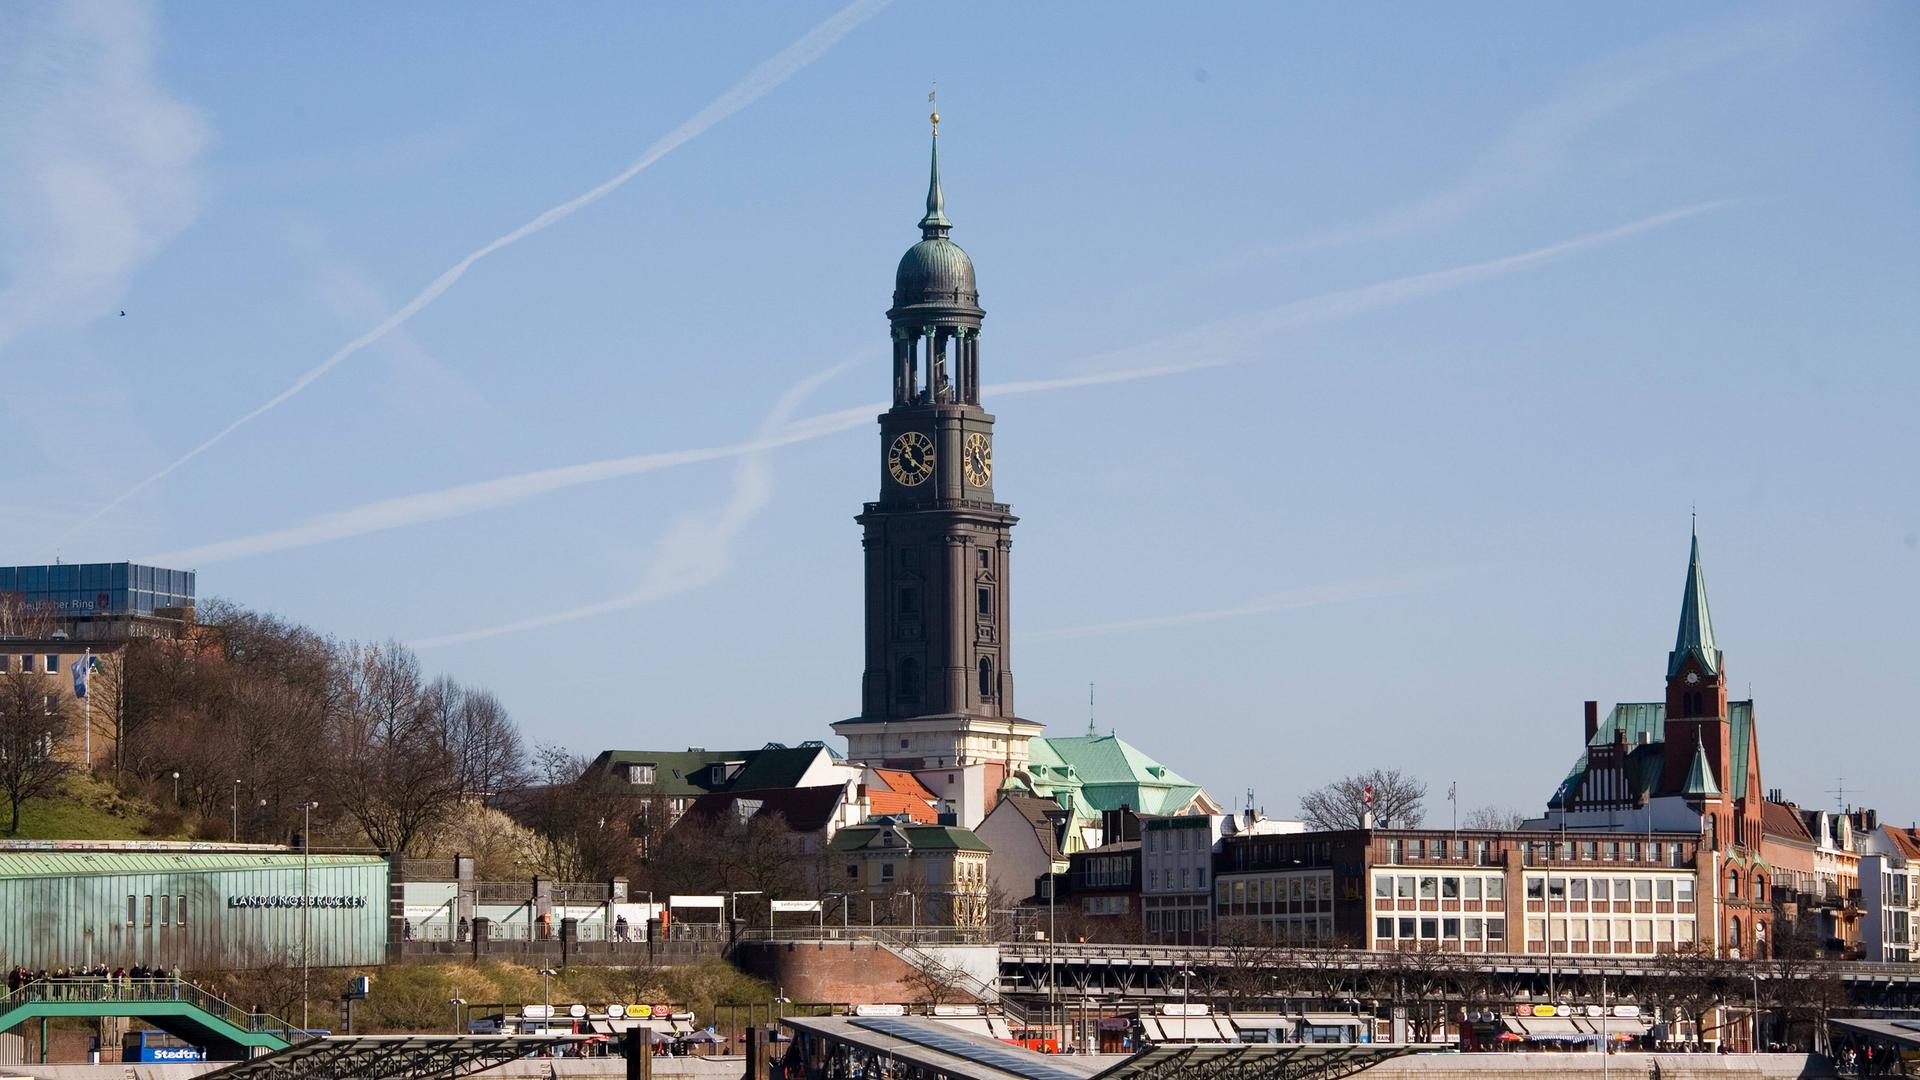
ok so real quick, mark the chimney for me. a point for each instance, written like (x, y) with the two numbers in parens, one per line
(1593, 720)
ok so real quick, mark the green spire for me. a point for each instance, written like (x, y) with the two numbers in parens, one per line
(1696, 622)
(935, 224)
(1700, 777)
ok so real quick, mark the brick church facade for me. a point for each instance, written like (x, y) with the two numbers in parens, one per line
(1688, 763)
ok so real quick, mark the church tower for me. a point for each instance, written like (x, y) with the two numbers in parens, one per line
(938, 687)
(1699, 731)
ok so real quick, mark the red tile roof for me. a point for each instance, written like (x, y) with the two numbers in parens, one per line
(1907, 840)
(1783, 821)
(904, 783)
(894, 802)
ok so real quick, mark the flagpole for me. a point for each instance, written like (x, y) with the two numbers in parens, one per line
(86, 669)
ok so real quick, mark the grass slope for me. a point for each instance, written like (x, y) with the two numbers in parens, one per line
(86, 809)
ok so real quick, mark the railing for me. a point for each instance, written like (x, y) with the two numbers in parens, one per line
(1363, 959)
(578, 892)
(915, 935)
(131, 989)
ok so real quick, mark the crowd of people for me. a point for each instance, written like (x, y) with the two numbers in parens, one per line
(20, 977)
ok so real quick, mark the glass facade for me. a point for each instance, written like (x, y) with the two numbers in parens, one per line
(79, 589)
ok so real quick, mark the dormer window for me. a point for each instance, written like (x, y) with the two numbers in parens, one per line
(640, 773)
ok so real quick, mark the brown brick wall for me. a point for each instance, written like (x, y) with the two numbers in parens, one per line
(858, 973)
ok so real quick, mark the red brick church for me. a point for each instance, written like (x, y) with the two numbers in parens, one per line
(1690, 762)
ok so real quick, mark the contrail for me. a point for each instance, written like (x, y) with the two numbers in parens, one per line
(1291, 600)
(776, 70)
(694, 550)
(1213, 345)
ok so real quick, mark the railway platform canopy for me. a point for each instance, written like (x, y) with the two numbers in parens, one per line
(391, 1057)
(923, 1048)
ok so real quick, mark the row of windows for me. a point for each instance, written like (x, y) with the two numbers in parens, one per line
(1615, 889)
(1650, 931)
(1191, 877)
(1410, 887)
(28, 662)
(1107, 870)
(1311, 930)
(1538, 852)
(171, 910)
(1176, 839)
(1268, 890)
(1107, 905)
(1465, 928)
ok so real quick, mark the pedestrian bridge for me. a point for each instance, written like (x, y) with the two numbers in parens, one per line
(174, 1006)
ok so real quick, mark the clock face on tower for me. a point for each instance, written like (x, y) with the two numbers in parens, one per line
(979, 459)
(1692, 677)
(910, 458)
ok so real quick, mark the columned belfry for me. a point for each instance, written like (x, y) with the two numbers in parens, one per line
(938, 687)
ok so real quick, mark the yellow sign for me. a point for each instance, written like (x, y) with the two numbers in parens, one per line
(1545, 1010)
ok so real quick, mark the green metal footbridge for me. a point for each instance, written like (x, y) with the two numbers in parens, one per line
(179, 1008)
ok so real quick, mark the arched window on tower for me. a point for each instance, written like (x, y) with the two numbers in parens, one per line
(986, 679)
(907, 686)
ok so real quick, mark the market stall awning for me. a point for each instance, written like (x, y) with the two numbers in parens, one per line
(1187, 1029)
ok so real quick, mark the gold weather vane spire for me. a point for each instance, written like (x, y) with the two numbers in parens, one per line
(933, 99)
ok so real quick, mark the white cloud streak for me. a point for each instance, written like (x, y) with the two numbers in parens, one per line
(696, 549)
(100, 166)
(1232, 341)
(1291, 600)
(1539, 142)
(770, 74)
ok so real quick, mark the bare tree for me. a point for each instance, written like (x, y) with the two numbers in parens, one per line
(1495, 818)
(33, 726)
(392, 769)
(588, 831)
(19, 619)
(1396, 801)
(932, 982)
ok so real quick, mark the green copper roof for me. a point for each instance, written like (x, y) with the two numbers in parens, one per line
(37, 864)
(1700, 773)
(1645, 763)
(1102, 772)
(1740, 725)
(1696, 622)
(917, 837)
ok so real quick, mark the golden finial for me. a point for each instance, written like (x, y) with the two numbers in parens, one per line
(933, 98)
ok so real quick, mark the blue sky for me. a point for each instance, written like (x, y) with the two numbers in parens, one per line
(1356, 368)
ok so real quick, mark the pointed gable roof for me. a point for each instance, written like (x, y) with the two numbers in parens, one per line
(1695, 638)
(1700, 774)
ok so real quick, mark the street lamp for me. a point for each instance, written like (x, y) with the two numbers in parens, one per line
(236, 811)
(913, 912)
(456, 1003)
(546, 994)
(306, 909)
(176, 787)
(846, 901)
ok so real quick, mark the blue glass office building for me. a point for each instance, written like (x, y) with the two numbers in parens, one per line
(79, 590)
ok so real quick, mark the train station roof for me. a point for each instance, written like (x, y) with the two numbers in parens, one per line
(391, 1057)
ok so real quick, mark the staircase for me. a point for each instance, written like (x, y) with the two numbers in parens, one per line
(913, 956)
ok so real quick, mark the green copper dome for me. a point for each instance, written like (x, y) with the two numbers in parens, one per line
(935, 271)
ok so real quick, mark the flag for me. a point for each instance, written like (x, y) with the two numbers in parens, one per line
(81, 668)
(1451, 791)
(1366, 795)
